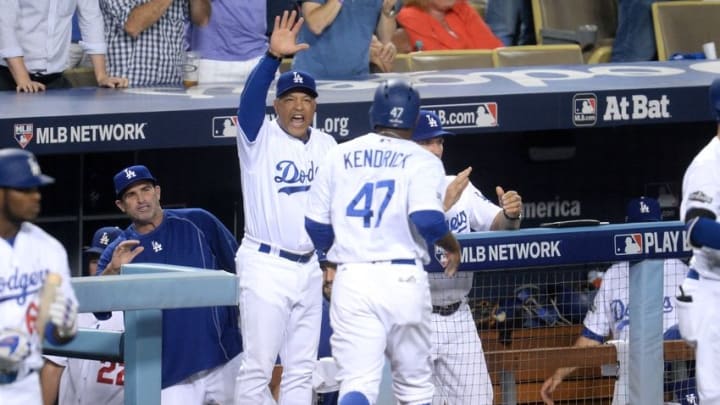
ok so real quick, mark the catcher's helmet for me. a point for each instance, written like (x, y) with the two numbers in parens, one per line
(715, 97)
(396, 105)
(20, 169)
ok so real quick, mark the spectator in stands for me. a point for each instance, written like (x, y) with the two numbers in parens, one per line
(635, 35)
(66, 379)
(35, 43)
(145, 37)
(445, 24)
(609, 315)
(340, 33)
(511, 21)
(232, 42)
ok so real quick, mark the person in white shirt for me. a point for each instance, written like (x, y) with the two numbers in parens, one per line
(35, 43)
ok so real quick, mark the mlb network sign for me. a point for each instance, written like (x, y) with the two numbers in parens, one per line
(651, 242)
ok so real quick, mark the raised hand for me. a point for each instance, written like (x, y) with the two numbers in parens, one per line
(510, 202)
(456, 187)
(124, 253)
(284, 35)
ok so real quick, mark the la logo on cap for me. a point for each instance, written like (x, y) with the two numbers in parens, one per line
(644, 208)
(104, 239)
(129, 174)
(297, 78)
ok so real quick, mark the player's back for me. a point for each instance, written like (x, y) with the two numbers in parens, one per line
(375, 183)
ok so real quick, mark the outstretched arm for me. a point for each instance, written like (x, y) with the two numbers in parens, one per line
(319, 16)
(282, 43)
(554, 381)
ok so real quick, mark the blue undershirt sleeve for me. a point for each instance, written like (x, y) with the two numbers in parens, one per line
(322, 235)
(431, 224)
(592, 335)
(251, 111)
(704, 232)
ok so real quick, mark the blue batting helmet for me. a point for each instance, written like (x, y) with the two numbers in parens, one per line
(715, 97)
(20, 169)
(396, 105)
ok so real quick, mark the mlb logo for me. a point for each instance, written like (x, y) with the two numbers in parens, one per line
(225, 127)
(23, 134)
(628, 244)
(486, 115)
(584, 109)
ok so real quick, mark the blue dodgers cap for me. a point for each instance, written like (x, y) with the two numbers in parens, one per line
(129, 176)
(20, 169)
(102, 238)
(295, 80)
(715, 97)
(643, 209)
(428, 127)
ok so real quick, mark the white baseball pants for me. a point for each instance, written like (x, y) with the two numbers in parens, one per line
(280, 312)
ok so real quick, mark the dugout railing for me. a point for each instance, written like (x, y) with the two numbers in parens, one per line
(142, 296)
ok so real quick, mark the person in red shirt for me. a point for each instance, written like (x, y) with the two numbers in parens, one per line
(445, 24)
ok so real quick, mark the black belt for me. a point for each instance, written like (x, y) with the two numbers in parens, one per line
(446, 310)
(36, 76)
(293, 257)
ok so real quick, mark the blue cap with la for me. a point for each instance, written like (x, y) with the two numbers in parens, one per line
(102, 238)
(295, 80)
(643, 209)
(129, 176)
(428, 127)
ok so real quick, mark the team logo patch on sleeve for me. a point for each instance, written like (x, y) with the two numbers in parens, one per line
(699, 196)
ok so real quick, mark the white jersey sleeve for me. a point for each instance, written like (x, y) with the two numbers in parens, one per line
(609, 313)
(367, 189)
(472, 212)
(701, 190)
(276, 171)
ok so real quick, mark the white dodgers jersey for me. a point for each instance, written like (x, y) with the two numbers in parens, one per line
(366, 190)
(472, 212)
(610, 312)
(276, 171)
(89, 382)
(701, 190)
(23, 269)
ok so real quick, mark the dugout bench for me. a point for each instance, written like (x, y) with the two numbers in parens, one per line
(519, 367)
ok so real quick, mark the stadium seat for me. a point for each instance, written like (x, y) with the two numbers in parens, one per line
(529, 55)
(588, 23)
(451, 59)
(684, 26)
(401, 63)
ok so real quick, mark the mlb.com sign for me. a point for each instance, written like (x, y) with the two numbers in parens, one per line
(650, 242)
(466, 115)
